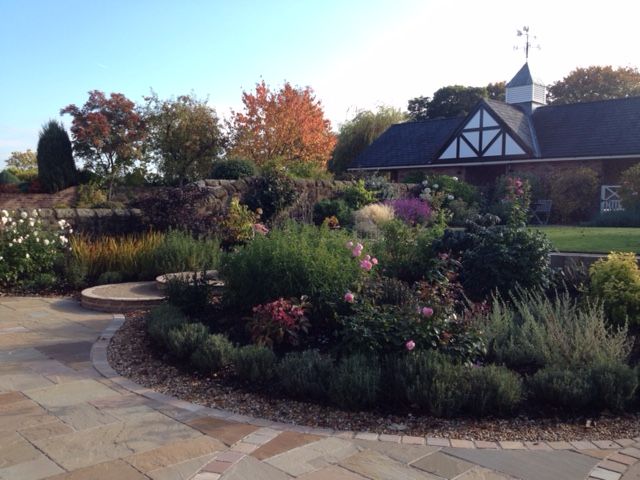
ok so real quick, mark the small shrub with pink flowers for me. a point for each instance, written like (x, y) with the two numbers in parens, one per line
(30, 251)
(279, 323)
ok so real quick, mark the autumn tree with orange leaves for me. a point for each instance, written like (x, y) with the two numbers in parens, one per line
(287, 125)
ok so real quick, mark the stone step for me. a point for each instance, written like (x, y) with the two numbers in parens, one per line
(121, 297)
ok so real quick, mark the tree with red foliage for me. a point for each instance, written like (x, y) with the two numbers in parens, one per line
(287, 125)
(108, 134)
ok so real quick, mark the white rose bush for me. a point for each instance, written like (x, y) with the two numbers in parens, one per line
(30, 250)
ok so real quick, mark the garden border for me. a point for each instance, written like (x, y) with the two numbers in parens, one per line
(624, 452)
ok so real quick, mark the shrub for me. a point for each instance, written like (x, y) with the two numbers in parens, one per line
(303, 169)
(28, 249)
(357, 196)
(191, 294)
(332, 208)
(455, 187)
(233, 168)
(565, 389)
(161, 320)
(630, 188)
(370, 218)
(254, 364)
(533, 331)
(272, 192)
(616, 280)
(355, 383)
(614, 385)
(498, 258)
(306, 374)
(185, 339)
(56, 168)
(6, 178)
(110, 277)
(493, 390)
(180, 252)
(212, 354)
(186, 209)
(413, 211)
(238, 225)
(290, 262)
(630, 217)
(280, 322)
(90, 195)
(574, 193)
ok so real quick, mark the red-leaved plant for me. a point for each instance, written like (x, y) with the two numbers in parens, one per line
(280, 322)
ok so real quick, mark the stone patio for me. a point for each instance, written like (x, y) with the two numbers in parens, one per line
(61, 418)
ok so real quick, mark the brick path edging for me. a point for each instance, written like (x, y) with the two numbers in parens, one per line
(624, 452)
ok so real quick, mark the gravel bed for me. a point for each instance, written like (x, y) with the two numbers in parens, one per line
(131, 354)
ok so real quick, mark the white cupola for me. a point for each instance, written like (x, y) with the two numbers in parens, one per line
(526, 92)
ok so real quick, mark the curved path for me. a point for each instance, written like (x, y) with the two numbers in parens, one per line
(63, 416)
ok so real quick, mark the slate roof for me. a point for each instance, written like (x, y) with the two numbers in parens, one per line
(522, 78)
(594, 129)
(407, 144)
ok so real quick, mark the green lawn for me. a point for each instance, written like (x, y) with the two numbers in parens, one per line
(593, 239)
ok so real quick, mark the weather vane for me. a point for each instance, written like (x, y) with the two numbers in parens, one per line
(527, 44)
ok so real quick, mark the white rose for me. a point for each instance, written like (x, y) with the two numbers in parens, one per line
(4, 220)
(32, 222)
(45, 241)
(450, 197)
(34, 213)
(455, 179)
(26, 255)
(62, 223)
(4, 213)
(23, 215)
(21, 221)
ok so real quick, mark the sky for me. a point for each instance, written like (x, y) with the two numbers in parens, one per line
(355, 54)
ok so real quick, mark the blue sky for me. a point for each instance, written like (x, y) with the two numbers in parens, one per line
(355, 54)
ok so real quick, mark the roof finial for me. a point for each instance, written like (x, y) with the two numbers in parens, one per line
(527, 44)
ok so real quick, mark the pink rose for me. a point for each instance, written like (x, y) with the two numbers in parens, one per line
(356, 252)
(367, 257)
(374, 260)
(427, 311)
(349, 297)
(349, 244)
(366, 265)
(410, 345)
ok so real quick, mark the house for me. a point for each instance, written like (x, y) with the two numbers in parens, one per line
(522, 134)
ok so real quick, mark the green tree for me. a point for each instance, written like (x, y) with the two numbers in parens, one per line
(56, 168)
(359, 132)
(23, 161)
(453, 101)
(595, 83)
(108, 134)
(185, 137)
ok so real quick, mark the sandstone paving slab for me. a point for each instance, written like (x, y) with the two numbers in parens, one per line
(283, 442)
(116, 440)
(11, 397)
(36, 469)
(334, 472)
(174, 453)
(443, 465)
(19, 355)
(14, 449)
(530, 465)
(47, 430)
(227, 432)
(374, 465)
(116, 469)
(82, 416)
(23, 414)
(60, 395)
(402, 453)
(313, 456)
(23, 381)
(251, 468)
(68, 352)
(479, 473)
(633, 473)
(602, 474)
(181, 471)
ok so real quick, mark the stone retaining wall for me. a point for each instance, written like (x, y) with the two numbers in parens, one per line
(93, 221)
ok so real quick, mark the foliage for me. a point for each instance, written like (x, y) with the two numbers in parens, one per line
(180, 252)
(238, 225)
(185, 137)
(357, 195)
(288, 123)
(29, 250)
(595, 83)
(255, 364)
(6, 177)
(106, 278)
(614, 385)
(161, 320)
(191, 294)
(233, 168)
(280, 322)
(498, 258)
(574, 193)
(534, 331)
(453, 101)
(302, 169)
(290, 262)
(108, 134)
(129, 255)
(370, 218)
(212, 354)
(272, 192)
(90, 195)
(22, 161)
(358, 133)
(332, 208)
(185, 339)
(616, 281)
(493, 390)
(413, 211)
(306, 374)
(183, 209)
(629, 217)
(459, 189)
(630, 188)
(355, 383)
(56, 168)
